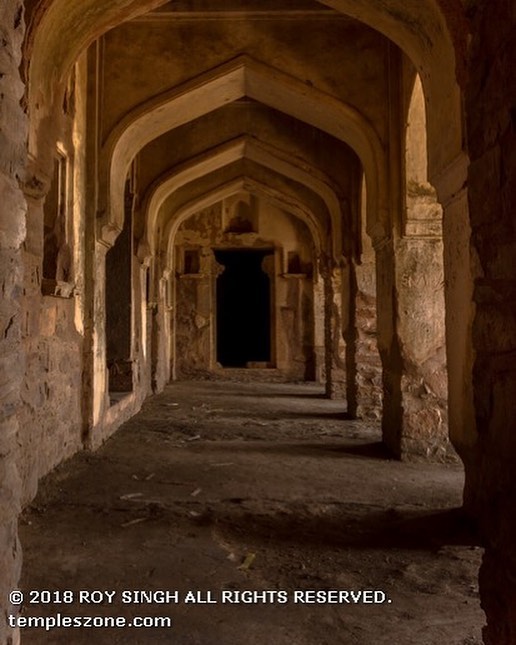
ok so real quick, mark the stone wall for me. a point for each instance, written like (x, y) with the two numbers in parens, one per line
(491, 110)
(13, 136)
(51, 417)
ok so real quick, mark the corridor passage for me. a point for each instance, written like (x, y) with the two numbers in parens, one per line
(225, 486)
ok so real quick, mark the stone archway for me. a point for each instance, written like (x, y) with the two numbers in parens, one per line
(288, 201)
(418, 28)
(229, 82)
(243, 147)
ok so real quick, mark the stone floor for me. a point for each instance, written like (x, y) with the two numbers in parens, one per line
(226, 487)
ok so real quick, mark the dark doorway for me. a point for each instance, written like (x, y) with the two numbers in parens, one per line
(243, 308)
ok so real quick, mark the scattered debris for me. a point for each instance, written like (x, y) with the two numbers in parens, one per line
(138, 520)
(196, 437)
(129, 496)
(248, 561)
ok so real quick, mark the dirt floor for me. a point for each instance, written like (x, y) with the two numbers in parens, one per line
(222, 488)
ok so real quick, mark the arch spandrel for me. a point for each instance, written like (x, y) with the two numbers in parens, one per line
(420, 30)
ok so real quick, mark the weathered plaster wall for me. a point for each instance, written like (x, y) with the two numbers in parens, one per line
(195, 303)
(260, 173)
(51, 392)
(13, 133)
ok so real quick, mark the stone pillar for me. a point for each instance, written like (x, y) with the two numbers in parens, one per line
(368, 364)
(165, 318)
(99, 378)
(159, 312)
(335, 362)
(388, 346)
(195, 317)
(458, 293)
(295, 302)
(13, 127)
(349, 333)
(141, 330)
(420, 329)
(411, 343)
(364, 365)
(490, 108)
(155, 309)
(319, 317)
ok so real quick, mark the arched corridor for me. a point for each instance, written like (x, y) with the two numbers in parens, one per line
(287, 192)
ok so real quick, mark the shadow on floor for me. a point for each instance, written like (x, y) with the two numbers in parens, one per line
(281, 395)
(374, 450)
(354, 527)
(320, 416)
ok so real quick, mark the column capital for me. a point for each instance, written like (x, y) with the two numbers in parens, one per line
(452, 179)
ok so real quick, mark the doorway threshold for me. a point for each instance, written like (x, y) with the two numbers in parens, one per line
(263, 374)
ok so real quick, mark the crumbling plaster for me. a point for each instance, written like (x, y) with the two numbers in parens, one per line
(285, 201)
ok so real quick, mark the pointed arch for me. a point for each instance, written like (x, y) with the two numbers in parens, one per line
(423, 29)
(278, 198)
(243, 147)
(240, 77)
